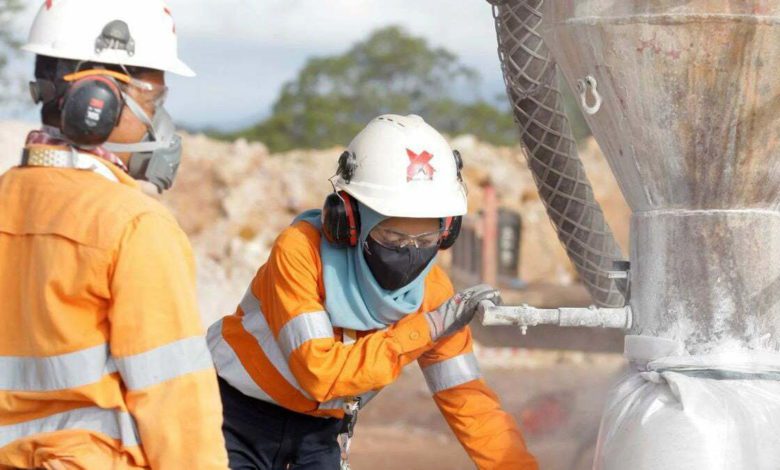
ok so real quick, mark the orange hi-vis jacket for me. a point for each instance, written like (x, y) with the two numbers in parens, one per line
(281, 347)
(103, 360)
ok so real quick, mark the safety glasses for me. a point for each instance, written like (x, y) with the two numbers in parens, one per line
(394, 239)
(149, 95)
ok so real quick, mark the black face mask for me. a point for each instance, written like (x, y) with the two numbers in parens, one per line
(394, 268)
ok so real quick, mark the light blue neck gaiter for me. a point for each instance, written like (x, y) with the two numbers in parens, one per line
(353, 298)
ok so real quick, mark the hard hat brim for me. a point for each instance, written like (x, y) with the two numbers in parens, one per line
(412, 204)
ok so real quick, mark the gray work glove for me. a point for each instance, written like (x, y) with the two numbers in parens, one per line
(458, 312)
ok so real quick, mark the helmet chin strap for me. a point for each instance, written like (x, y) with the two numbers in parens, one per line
(156, 158)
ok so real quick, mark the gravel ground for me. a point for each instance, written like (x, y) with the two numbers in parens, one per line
(557, 397)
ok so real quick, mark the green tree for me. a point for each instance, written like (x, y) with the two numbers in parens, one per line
(333, 97)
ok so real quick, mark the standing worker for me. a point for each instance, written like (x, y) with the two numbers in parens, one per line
(103, 362)
(348, 297)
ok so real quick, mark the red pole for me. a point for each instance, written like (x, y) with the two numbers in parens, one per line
(489, 234)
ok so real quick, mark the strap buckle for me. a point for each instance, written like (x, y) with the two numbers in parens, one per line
(351, 408)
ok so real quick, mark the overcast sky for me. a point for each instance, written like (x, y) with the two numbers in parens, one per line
(243, 50)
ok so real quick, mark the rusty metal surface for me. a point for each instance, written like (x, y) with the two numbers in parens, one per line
(708, 279)
(691, 111)
(690, 124)
(530, 76)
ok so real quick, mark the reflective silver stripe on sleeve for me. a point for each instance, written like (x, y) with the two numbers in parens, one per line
(452, 372)
(114, 424)
(164, 363)
(64, 371)
(302, 328)
(254, 322)
(229, 367)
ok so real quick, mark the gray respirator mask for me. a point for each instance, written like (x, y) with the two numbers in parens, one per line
(157, 157)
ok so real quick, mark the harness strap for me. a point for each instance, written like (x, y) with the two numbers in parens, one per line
(351, 409)
(57, 157)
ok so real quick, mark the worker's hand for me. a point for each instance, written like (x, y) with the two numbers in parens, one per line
(458, 312)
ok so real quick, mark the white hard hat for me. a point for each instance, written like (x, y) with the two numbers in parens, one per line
(138, 33)
(402, 167)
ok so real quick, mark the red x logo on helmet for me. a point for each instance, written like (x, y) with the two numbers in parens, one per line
(419, 166)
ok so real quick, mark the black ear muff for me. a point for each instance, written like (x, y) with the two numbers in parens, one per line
(452, 225)
(90, 110)
(451, 231)
(458, 164)
(341, 220)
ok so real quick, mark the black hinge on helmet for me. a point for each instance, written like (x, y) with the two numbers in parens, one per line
(115, 35)
(347, 166)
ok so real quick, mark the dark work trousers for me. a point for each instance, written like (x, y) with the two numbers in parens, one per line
(263, 436)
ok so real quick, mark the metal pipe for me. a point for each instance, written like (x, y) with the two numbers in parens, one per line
(525, 316)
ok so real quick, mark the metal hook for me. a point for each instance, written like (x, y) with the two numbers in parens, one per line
(583, 85)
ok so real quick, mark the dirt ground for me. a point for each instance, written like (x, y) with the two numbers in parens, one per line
(546, 380)
(557, 398)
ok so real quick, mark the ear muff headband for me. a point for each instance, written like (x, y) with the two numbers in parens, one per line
(352, 225)
(112, 84)
(447, 225)
(72, 77)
